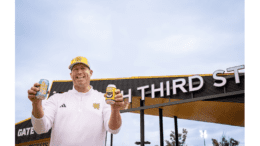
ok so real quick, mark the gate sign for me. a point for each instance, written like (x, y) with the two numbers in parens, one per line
(24, 133)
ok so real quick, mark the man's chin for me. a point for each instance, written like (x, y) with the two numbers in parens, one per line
(81, 85)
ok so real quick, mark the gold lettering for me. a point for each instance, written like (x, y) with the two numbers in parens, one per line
(96, 105)
(43, 88)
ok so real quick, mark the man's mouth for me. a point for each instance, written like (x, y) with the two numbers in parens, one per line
(80, 77)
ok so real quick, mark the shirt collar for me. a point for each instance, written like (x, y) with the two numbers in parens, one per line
(80, 93)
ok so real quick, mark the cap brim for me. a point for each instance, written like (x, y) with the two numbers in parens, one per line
(71, 66)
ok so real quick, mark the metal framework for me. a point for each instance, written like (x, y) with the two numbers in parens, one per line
(143, 107)
(186, 101)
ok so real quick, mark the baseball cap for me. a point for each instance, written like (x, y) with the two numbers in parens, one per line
(77, 60)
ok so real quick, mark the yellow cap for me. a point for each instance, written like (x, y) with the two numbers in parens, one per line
(77, 60)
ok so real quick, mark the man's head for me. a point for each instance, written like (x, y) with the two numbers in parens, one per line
(80, 72)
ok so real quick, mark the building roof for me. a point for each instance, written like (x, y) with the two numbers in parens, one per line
(222, 105)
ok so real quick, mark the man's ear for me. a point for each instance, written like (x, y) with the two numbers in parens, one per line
(91, 72)
(70, 76)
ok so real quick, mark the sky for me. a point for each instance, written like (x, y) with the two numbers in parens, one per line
(129, 38)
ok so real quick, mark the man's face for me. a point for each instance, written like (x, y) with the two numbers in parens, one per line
(80, 75)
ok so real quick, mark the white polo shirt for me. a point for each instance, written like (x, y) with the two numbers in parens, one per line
(76, 119)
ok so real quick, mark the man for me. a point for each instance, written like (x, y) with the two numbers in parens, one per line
(77, 117)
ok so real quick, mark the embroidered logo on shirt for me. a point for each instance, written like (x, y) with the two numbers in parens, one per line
(63, 105)
(96, 105)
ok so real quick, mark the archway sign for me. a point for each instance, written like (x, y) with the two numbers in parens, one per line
(216, 98)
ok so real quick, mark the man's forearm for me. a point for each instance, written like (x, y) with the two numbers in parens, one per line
(115, 120)
(37, 110)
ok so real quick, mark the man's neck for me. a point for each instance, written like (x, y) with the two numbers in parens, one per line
(82, 89)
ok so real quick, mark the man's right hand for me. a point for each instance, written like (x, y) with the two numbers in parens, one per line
(33, 91)
(36, 103)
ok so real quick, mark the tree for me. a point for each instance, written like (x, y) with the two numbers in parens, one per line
(181, 138)
(225, 142)
(233, 142)
(215, 142)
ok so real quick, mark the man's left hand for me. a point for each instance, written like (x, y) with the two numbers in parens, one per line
(119, 101)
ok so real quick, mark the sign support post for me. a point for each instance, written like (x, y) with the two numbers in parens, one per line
(106, 139)
(142, 122)
(111, 142)
(176, 131)
(161, 126)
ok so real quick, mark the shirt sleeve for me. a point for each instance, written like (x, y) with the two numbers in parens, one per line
(44, 124)
(106, 116)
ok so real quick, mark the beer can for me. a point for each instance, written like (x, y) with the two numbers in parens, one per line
(42, 94)
(110, 94)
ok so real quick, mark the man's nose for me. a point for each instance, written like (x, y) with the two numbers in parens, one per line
(80, 71)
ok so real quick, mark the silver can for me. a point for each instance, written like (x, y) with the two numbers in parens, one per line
(42, 94)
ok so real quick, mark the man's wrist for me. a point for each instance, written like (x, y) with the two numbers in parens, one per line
(36, 105)
(37, 111)
(37, 102)
(115, 109)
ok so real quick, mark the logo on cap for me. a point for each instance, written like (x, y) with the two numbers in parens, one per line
(78, 59)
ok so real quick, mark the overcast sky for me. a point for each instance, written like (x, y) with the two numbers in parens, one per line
(129, 38)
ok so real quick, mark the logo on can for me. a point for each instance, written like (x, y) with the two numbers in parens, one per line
(110, 94)
(42, 94)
